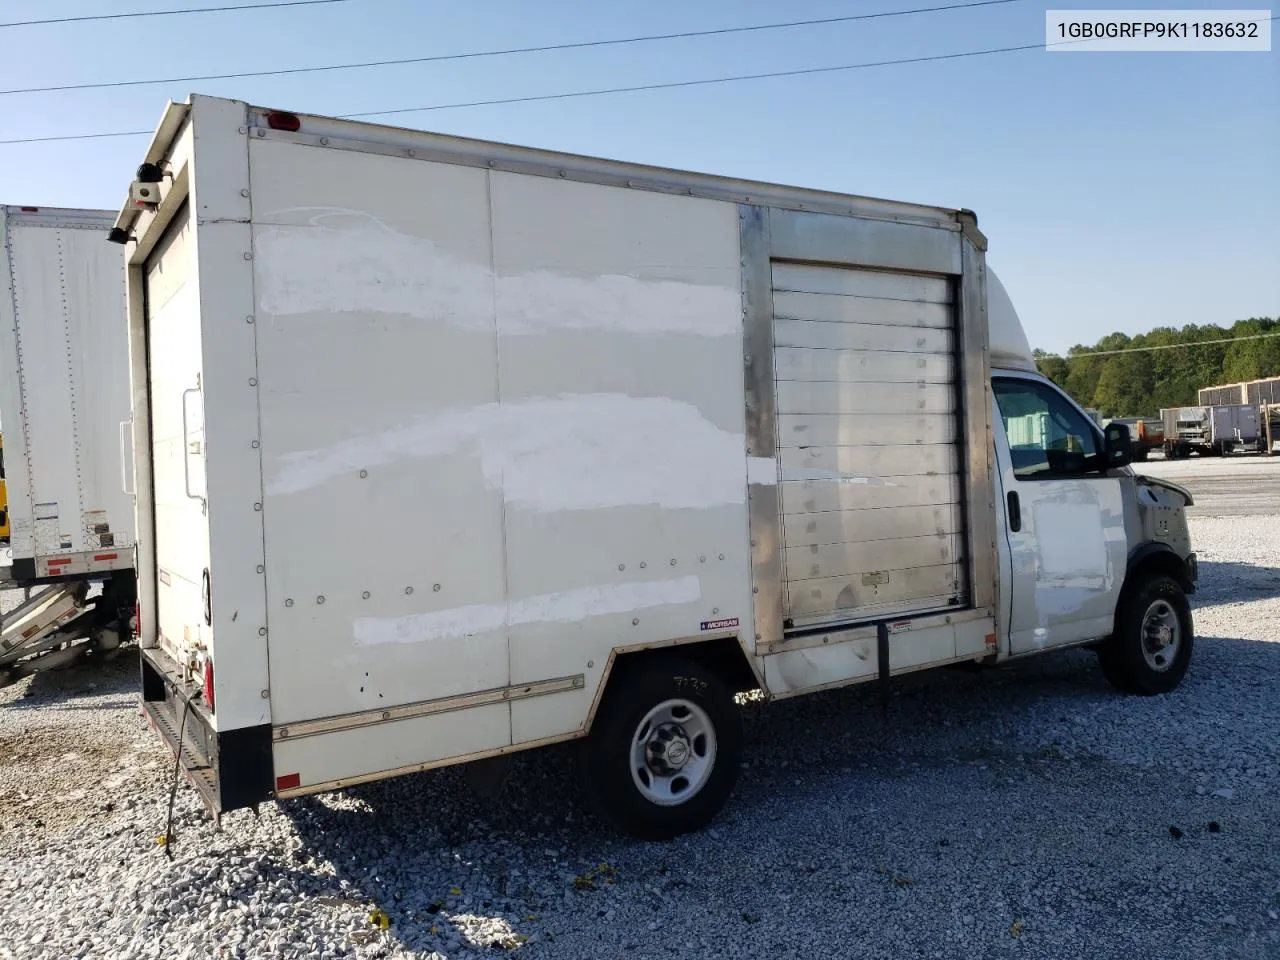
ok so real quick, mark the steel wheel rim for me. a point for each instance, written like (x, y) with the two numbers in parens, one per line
(673, 751)
(1161, 635)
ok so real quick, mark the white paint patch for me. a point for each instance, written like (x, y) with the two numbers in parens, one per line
(573, 452)
(1070, 540)
(762, 470)
(347, 261)
(568, 606)
(541, 302)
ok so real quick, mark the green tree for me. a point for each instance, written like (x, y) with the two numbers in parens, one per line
(1167, 366)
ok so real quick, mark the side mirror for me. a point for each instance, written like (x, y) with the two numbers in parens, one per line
(1117, 446)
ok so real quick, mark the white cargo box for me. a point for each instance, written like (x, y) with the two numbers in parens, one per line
(433, 432)
(64, 394)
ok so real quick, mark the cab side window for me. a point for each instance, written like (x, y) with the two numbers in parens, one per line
(1048, 438)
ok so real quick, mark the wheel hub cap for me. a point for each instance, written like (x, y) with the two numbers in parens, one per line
(673, 752)
(1161, 635)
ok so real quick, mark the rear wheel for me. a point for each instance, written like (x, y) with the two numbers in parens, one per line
(663, 754)
(1150, 649)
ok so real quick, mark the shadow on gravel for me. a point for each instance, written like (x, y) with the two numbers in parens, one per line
(1223, 583)
(95, 677)
(846, 800)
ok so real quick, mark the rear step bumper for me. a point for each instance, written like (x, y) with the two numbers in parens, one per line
(230, 769)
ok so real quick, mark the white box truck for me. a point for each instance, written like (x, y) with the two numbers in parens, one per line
(64, 403)
(449, 449)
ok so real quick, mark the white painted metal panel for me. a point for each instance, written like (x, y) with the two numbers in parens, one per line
(382, 436)
(368, 752)
(172, 296)
(851, 659)
(619, 321)
(66, 391)
(537, 445)
(853, 407)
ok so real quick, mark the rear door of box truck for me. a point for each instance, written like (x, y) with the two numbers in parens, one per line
(171, 302)
(64, 393)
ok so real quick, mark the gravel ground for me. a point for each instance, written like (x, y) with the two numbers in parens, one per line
(1026, 811)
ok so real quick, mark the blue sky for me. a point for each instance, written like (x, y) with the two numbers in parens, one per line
(1119, 191)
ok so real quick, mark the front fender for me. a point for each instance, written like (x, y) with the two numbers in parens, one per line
(1154, 556)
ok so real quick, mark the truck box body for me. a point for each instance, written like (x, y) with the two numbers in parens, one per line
(1236, 423)
(1219, 428)
(1266, 391)
(431, 431)
(64, 394)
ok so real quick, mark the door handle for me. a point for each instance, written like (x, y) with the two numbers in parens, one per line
(186, 452)
(1015, 512)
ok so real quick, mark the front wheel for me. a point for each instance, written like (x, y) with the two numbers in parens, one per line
(1150, 650)
(663, 754)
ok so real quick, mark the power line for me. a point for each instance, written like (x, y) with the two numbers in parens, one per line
(676, 84)
(170, 13)
(610, 90)
(1163, 346)
(442, 58)
(593, 93)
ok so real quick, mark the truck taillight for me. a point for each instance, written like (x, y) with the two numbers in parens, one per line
(208, 683)
(279, 120)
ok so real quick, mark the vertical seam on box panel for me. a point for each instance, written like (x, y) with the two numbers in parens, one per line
(497, 388)
(257, 410)
(22, 387)
(959, 388)
(764, 531)
(71, 385)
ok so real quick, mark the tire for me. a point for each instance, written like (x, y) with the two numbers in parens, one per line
(664, 704)
(1137, 657)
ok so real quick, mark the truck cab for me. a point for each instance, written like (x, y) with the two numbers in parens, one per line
(1090, 552)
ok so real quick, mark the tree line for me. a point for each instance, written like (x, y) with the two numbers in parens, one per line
(1140, 384)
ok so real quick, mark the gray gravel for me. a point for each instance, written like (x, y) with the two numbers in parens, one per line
(1026, 811)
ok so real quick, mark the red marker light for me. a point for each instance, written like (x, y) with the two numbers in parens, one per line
(288, 781)
(278, 120)
(208, 684)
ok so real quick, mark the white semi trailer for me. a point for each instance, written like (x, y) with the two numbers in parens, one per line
(64, 403)
(450, 449)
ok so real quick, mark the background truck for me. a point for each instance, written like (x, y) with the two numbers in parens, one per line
(64, 400)
(1212, 430)
(622, 441)
(1147, 434)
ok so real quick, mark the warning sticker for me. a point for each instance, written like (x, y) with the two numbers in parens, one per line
(46, 511)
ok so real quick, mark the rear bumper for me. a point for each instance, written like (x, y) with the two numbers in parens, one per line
(230, 769)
